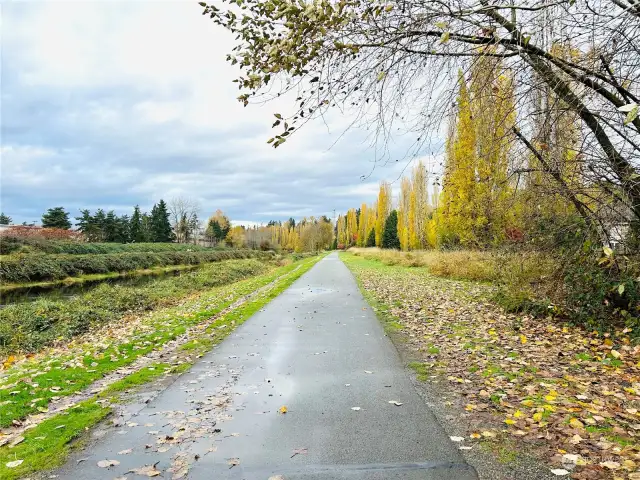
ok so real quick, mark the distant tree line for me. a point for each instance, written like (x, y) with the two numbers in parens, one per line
(106, 226)
(139, 227)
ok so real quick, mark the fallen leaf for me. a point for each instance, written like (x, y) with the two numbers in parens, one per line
(576, 439)
(611, 465)
(464, 447)
(146, 471)
(108, 463)
(14, 464)
(368, 371)
(233, 462)
(456, 439)
(125, 452)
(283, 409)
(355, 408)
(395, 402)
(299, 451)
(575, 423)
(560, 471)
(276, 477)
(16, 441)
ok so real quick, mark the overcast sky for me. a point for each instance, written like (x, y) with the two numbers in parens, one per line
(112, 104)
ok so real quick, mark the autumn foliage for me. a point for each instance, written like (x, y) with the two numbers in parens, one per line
(21, 231)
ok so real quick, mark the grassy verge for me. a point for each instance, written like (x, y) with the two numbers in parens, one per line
(514, 379)
(31, 268)
(48, 444)
(11, 244)
(94, 277)
(29, 387)
(28, 327)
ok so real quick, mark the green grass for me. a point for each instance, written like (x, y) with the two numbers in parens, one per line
(33, 268)
(11, 244)
(95, 277)
(29, 327)
(94, 362)
(46, 446)
(421, 369)
(142, 376)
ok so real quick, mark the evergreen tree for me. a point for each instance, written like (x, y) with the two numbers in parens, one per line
(371, 239)
(122, 234)
(161, 225)
(5, 219)
(98, 225)
(84, 222)
(56, 218)
(390, 233)
(110, 227)
(135, 226)
(216, 231)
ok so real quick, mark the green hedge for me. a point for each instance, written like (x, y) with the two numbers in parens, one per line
(10, 244)
(27, 327)
(33, 268)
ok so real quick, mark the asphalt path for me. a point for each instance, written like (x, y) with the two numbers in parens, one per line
(316, 350)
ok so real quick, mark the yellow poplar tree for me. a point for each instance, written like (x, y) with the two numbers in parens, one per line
(362, 225)
(383, 210)
(492, 105)
(404, 213)
(419, 189)
(460, 175)
(352, 227)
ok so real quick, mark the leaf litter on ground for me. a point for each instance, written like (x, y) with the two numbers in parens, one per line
(555, 387)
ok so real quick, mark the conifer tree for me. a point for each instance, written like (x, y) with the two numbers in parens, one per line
(135, 226)
(371, 239)
(390, 233)
(56, 218)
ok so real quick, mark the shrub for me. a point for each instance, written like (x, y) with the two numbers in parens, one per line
(28, 327)
(15, 244)
(32, 268)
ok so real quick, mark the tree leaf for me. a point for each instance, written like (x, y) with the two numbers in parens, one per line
(108, 463)
(628, 107)
(631, 116)
(146, 471)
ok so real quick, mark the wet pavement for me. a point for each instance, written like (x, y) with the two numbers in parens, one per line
(317, 352)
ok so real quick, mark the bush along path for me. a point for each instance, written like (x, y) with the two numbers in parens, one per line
(568, 396)
(52, 398)
(28, 327)
(33, 268)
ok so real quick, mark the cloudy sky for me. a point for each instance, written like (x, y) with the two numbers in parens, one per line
(111, 104)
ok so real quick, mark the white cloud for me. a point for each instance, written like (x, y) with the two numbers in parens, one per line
(118, 103)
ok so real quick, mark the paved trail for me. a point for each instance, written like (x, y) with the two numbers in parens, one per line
(300, 351)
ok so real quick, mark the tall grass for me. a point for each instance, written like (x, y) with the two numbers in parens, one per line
(498, 267)
(28, 327)
(32, 268)
(582, 290)
(11, 244)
